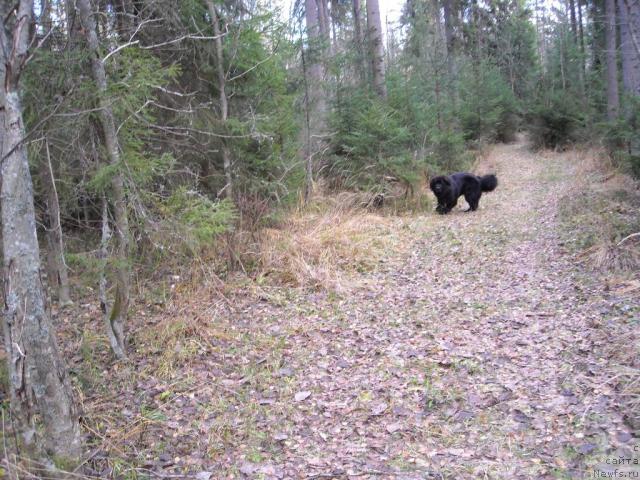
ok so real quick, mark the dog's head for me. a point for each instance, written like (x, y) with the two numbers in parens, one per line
(439, 184)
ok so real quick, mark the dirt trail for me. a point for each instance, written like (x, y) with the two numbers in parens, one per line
(468, 357)
(469, 353)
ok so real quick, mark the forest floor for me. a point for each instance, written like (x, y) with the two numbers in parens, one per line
(477, 347)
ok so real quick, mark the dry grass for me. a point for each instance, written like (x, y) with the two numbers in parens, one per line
(317, 246)
(602, 213)
(615, 256)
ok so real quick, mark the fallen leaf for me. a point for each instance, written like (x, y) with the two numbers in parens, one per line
(394, 427)
(379, 408)
(586, 448)
(300, 396)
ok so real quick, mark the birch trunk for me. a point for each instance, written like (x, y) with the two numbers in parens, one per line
(40, 390)
(116, 315)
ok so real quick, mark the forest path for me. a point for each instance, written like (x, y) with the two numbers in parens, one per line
(473, 350)
(466, 356)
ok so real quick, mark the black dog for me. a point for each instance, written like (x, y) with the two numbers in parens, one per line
(448, 188)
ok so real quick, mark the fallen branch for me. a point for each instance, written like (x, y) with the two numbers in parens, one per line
(539, 314)
(344, 474)
(628, 237)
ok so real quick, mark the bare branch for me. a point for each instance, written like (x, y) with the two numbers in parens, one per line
(240, 75)
(183, 37)
(121, 47)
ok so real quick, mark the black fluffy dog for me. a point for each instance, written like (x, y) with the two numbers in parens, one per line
(449, 188)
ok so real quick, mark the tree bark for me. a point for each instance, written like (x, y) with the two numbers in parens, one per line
(308, 157)
(581, 33)
(574, 23)
(57, 274)
(357, 26)
(315, 90)
(448, 35)
(630, 48)
(56, 266)
(227, 191)
(116, 315)
(629, 11)
(324, 21)
(376, 47)
(74, 28)
(613, 101)
(315, 57)
(38, 382)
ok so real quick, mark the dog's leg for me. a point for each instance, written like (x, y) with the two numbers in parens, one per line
(472, 199)
(447, 207)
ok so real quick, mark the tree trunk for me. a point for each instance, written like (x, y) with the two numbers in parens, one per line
(581, 33)
(448, 35)
(315, 59)
(359, 40)
(613, 101)
(376, 47)
(115, 332)
(57, 274)
(224, 104)
(323, 21)
(56, 267)
(315, 90)
(630, 48)
(629, 11)
(308, 158)
(334, 20)
(574, 23)
(117, 314)
(38, 382)
(74, 29)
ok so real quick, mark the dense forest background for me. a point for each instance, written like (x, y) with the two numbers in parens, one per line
(143, 139)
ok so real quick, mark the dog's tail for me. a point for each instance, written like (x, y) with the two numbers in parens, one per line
(488, 183)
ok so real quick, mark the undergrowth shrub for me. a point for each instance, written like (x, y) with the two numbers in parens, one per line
(622, 137)
(198, 218)
(555, 121)
(447, 152)
(488, 108)
(371, 142)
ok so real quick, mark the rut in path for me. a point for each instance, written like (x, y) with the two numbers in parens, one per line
(468, 357)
